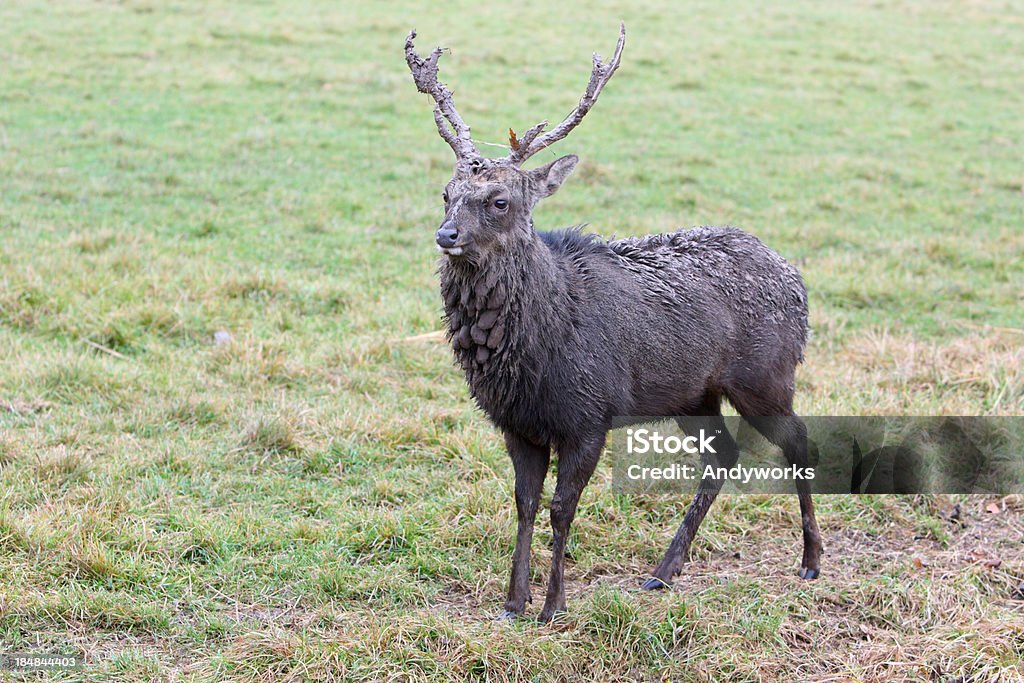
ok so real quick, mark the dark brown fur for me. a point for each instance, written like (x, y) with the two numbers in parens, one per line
(557, 333)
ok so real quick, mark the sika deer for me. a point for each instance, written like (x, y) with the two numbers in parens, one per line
(558, 332)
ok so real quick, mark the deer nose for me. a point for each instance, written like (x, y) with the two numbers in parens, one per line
(447, 235)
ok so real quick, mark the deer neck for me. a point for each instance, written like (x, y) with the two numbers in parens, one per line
(499, 314)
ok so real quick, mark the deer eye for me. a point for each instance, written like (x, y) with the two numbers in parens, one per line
(501, 204)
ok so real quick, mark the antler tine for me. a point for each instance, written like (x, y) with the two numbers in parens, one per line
(532, 141)
(455, 130)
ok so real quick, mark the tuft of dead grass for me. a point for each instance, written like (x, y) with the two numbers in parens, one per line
(981, 374)
(271, 435)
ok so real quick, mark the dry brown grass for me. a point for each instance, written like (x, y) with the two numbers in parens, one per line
(981, 373)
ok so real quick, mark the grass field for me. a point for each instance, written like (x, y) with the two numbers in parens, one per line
(314, 497)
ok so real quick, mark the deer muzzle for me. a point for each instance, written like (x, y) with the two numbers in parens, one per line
(447, 238)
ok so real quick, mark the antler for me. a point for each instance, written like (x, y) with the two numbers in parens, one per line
(424, 72)
(532, 141)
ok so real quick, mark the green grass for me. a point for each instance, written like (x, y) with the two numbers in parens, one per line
(315, 497)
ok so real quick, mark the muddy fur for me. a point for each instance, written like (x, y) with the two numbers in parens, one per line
(559, 332)
(566, 330)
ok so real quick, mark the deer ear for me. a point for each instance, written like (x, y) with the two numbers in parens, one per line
(549, 177)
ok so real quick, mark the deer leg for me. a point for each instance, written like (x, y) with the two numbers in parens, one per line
(787, 431)
(810, 568)
(575, 466)
(707, 491)
(531, 466)
(790, 434)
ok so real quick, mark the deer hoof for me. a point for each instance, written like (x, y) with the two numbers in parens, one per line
(809, 574)
(655, 584)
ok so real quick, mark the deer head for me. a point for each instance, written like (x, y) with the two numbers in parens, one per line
(489, 202)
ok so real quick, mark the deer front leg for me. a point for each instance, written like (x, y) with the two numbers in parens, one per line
(679, 550)
(575, 466)
(531, 466)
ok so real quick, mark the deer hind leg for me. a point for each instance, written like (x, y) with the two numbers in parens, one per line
(725, 456)
(771, 413)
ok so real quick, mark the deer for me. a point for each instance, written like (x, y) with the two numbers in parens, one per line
(558, 332)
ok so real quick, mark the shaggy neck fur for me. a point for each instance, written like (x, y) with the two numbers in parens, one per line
(503, 320)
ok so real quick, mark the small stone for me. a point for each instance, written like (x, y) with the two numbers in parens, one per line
(221, 337)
